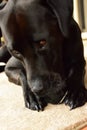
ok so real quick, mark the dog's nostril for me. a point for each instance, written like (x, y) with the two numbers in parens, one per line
(37, 87)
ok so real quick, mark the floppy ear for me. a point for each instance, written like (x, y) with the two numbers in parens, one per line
(63, 10)
(2, 4)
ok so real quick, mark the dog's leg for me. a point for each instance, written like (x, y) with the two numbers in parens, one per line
(4, 56)
(76, 94)
(16, 74)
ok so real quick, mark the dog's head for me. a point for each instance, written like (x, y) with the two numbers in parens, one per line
(35, 36)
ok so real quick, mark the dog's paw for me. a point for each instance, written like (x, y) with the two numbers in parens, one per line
(75, 98)
(34, 106)
(34, 103)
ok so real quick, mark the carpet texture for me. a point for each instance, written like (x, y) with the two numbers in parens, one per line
(14, 115)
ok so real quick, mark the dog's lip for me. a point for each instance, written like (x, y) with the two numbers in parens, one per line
(51, 89)
(52, 83)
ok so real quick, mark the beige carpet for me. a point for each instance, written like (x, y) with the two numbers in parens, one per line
(14, 116)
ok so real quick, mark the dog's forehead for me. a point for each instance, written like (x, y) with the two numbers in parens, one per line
(38, 22)
(30, 20)
(34, 12)
(35, 18)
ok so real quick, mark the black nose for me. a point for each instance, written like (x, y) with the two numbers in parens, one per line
(36, 86)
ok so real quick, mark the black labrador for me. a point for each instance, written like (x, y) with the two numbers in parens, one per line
(46, 50)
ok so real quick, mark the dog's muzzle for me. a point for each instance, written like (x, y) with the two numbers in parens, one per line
(47, 84)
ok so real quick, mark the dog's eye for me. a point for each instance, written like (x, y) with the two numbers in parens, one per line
(41, 44)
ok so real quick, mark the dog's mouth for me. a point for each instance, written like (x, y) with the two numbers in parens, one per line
(52, 85)
(54, 88)
(55, 83)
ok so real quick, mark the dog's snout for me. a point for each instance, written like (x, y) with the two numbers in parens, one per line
(37, 86)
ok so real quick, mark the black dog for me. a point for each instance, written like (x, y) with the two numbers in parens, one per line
(47, 52)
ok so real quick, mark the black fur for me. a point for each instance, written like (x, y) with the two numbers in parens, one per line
(47, 52)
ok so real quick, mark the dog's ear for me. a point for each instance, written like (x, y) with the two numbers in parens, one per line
(63, 10)
(2, 4)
